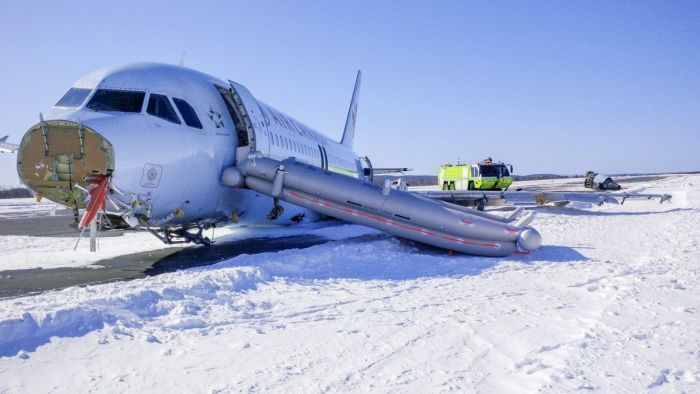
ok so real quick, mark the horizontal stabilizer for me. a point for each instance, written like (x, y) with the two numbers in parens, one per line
(397, 170)
(6, 146)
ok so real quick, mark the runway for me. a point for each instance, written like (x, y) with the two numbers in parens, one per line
(15, 283)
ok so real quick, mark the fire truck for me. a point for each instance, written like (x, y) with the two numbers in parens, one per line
(485, 175)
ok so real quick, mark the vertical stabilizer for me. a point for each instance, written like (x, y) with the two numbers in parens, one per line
(349, 132)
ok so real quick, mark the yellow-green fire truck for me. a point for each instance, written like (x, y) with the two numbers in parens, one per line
(485, 175)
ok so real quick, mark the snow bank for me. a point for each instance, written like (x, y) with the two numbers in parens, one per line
(75, 312)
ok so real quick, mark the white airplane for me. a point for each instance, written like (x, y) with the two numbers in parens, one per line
(6, 146)
(177, 151)
(163, 134)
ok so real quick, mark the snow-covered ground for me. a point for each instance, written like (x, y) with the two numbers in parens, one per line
(16, 207)
(27, 252)
(610, 302)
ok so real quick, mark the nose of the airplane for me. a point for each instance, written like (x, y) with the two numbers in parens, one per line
(54, 155)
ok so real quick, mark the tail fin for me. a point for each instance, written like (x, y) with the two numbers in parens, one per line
(349, 132)
(3, 139)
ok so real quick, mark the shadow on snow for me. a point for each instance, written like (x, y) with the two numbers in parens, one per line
(378, 257)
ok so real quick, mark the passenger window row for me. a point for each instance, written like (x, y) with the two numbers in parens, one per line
(299, 147)
(340, 162)
(290, 144)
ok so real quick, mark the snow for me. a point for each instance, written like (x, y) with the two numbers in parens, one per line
(28, 252)
(610, 303)
(15, 207)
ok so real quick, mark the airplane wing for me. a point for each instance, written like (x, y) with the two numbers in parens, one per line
(382, 171)
(6, 146)
(479, 199)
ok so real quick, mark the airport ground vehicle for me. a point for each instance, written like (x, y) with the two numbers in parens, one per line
(485, 175)
(598, 181)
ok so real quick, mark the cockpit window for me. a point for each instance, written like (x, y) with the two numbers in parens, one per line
(188, 114)
(73, 98)
(159, 105)
(116, 100)
(497, 170)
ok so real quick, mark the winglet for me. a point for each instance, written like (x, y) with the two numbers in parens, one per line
(349, 132)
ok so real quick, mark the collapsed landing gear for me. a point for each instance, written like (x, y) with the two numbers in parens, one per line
(183, 236)
(172, 236)
(277, 210)
(298, 218)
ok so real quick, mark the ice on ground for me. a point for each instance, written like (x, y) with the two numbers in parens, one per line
(609, 303)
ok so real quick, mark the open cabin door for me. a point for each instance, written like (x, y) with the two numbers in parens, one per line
(245, 131)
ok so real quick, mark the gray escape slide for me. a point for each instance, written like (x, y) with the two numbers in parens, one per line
(393, 211)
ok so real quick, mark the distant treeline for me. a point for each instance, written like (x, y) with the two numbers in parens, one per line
(14, 192)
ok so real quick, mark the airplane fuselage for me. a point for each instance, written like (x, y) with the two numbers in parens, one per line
(164, 134)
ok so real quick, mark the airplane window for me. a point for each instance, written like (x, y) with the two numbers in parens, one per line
(286, 142)
(277, 140)
(73, 98)
(272, 139)
(116, 100)
(188, 114)
(159, 106)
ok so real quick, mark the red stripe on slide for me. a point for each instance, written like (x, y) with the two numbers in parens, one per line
(389, 222)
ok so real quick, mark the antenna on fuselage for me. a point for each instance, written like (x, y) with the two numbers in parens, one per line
(182, 59)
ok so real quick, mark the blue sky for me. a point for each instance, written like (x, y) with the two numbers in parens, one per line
(555, 87)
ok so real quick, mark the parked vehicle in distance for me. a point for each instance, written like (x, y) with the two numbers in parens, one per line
(598, 181)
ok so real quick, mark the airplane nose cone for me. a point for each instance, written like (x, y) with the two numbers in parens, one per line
(529, 239)
(54, 155)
